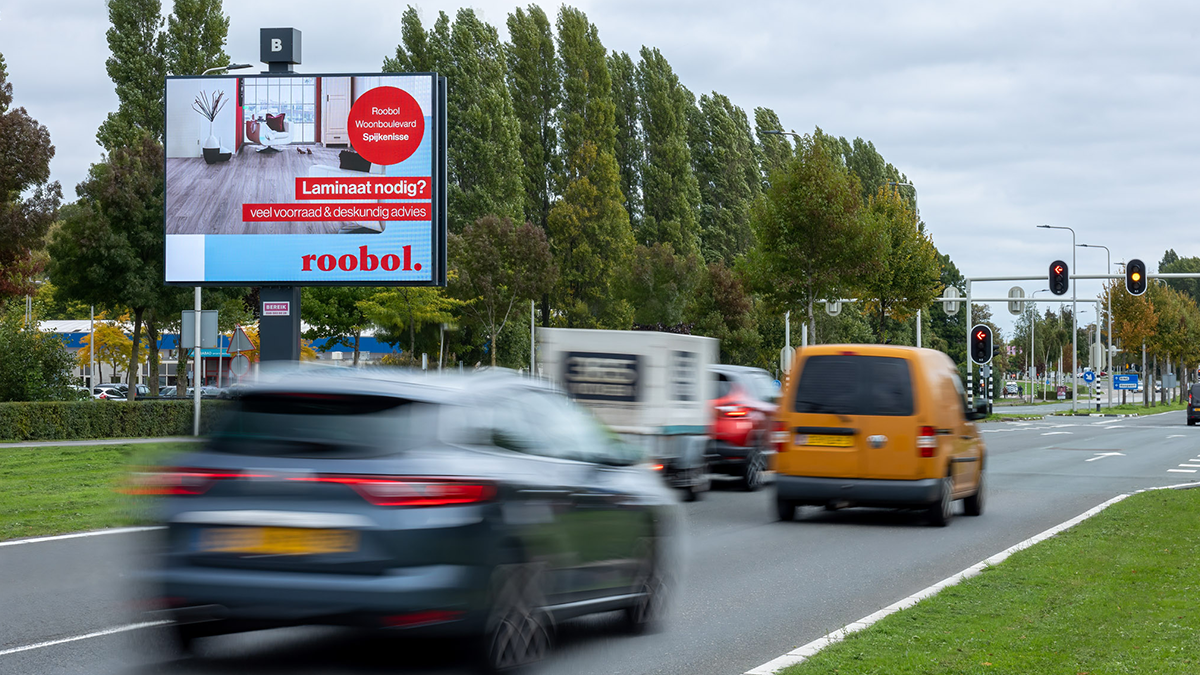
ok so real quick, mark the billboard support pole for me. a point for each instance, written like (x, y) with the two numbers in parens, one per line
(197, 364)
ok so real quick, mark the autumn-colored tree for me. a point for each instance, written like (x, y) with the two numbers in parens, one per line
(28, 200)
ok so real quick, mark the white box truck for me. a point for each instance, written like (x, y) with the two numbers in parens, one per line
(652, 388)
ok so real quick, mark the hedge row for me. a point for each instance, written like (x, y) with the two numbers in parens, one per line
(81, 420)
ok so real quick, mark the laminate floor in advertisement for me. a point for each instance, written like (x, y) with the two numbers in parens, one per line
(207, 198)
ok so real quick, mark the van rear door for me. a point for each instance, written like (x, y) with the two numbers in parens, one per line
(853, 418)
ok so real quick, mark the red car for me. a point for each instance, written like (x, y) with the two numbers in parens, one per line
(744, 407)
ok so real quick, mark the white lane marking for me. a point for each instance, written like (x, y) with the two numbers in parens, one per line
(99, 633)
(93, 533)
(1190, 466)
(1177, 436)
(805, 651)
(1057, 433)
(1115, 419)
(1181, 470)
(1102, 455)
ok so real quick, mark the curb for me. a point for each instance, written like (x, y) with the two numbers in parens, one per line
(804, 652)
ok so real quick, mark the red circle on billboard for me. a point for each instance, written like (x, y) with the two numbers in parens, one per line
(386, 125)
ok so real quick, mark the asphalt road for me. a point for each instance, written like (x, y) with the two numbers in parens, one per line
(754, 588)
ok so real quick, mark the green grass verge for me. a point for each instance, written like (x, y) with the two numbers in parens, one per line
(1135, 409)
(1114, 594)
(1003, 417)
(55, 490)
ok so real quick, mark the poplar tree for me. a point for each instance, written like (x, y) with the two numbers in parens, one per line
(588, 227)
(906, 275)
(630, 150)
(484, 162)
(137, 68)
(669, 191)
(775, 151)
(195, 37)
(536, 88)
(727, 172)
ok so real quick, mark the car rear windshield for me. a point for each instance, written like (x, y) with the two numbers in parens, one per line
(297, 424)
(846, 384)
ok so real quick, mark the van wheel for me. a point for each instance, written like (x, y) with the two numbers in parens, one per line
(785, 509)
(942, 511)
(973, 505)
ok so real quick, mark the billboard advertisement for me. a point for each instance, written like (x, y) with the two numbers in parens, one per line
(305, 180)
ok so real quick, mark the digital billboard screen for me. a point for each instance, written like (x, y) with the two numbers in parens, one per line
(305, 180)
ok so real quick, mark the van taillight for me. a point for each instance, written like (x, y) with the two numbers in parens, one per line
(927, 441)
(780, 437)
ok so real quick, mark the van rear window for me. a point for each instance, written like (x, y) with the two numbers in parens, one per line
(846, 384)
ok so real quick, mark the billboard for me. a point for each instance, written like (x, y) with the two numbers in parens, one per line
(306, 180)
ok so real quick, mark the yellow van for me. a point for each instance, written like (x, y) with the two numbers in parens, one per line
(877, 425)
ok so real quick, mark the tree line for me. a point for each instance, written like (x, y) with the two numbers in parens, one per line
(591, 182)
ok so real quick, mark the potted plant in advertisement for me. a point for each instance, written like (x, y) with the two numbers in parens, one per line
(209, 106)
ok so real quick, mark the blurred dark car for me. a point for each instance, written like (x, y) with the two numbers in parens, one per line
(484, 506)
(1193, 406)
(743, 409)
(168, 390)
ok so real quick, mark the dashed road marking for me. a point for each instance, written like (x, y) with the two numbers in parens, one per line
(1181, 470)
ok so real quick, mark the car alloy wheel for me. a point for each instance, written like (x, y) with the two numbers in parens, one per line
(646, 614)
(518, 632)
(756, 464)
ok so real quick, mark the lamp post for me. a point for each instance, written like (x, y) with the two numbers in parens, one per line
(1032, 365)
(1074, 323)
(1107, 313)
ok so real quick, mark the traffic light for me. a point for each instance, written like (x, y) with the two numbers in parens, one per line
(1060, 278)
(1135, 277)
(981, 344)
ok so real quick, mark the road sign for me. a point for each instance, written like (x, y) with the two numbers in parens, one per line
(1089, 376)
(985, 371)
(833, 307)
(240, 343)
(208, 329)
(239, 365)
(951, 307)
(1128, 381)
(1016, 306)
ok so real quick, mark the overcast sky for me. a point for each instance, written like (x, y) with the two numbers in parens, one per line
(1004, 115)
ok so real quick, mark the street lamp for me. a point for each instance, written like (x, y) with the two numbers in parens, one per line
(780, 132)
(1031, 365)
(1108, 313)
(1074, 322)
(227, 66)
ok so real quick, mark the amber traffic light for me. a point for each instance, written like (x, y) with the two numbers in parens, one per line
(1135, 277)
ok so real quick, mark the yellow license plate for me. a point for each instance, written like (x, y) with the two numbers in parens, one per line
(829, 441)
(277, 540)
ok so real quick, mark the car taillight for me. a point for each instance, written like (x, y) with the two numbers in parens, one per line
(180, 482)
(733, 410)
(927, 441)
(780, 437)
(414, 492)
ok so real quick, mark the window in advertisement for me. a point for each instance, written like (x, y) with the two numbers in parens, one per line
(294, 97)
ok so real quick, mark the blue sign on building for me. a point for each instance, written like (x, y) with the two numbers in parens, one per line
(1129, 381)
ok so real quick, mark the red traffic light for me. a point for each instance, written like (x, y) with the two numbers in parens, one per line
(1058, 269)
(980, 335)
